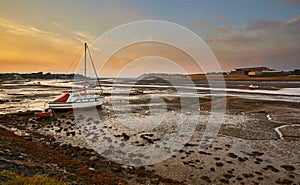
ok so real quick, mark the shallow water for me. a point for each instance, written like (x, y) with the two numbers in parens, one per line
(31, 95)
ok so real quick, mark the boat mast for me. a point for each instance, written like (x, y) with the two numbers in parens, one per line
(85, 47)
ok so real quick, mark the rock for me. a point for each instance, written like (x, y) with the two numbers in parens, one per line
(127, 167)
(57, 142)
(28, 138)
(72, 133)
(125, 136)
(93, 158)
(147, 139)
(116, 169)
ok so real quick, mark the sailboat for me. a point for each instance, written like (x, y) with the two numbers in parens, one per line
(79, 98)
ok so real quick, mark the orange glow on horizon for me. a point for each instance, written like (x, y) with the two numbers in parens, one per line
(28, 49)
(138, 51)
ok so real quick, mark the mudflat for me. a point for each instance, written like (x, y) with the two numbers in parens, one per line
(257, 142)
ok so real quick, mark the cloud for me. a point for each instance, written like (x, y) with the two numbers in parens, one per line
(56, 24)
(271, 43)
(222, 30)
(197, 22)
(234, 39)
(265, 24)
(83, 37)
(224, 19)
(261, 32)
(19, 29)
(262, 24)
(293, 20)
(80, 36)
(13, 31)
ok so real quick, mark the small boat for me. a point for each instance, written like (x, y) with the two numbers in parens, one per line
(251, 86)
(79, 98)
(46, 113)
(76, 99)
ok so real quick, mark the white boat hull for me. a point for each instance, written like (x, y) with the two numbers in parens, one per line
(74, 105)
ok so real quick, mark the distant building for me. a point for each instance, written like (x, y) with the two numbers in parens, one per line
(252, 71)
(256, 71)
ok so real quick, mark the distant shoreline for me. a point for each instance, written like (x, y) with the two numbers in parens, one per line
(281, 78)
(226, 77)
(230, 78)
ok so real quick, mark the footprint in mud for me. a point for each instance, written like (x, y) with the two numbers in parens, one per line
(189, 152)
(272, 168)
(248, 175)
(232, 155)
(218, 148)
(228, 145)
(242, 159)
(258, 173)
(292, 176)
(206, 178)
(228, 175)
(239, 178)
(260, 178)
(230, 171)
(288, 167)
(256, 154)
(190, 144)
(229, 162)
(224, 181)
(219, 164)
(258, 161)
(204, 153)
(283, 181)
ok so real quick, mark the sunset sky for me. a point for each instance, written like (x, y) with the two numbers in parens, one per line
(40, 35)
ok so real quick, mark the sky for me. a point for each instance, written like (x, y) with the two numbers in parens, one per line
(48, 36)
